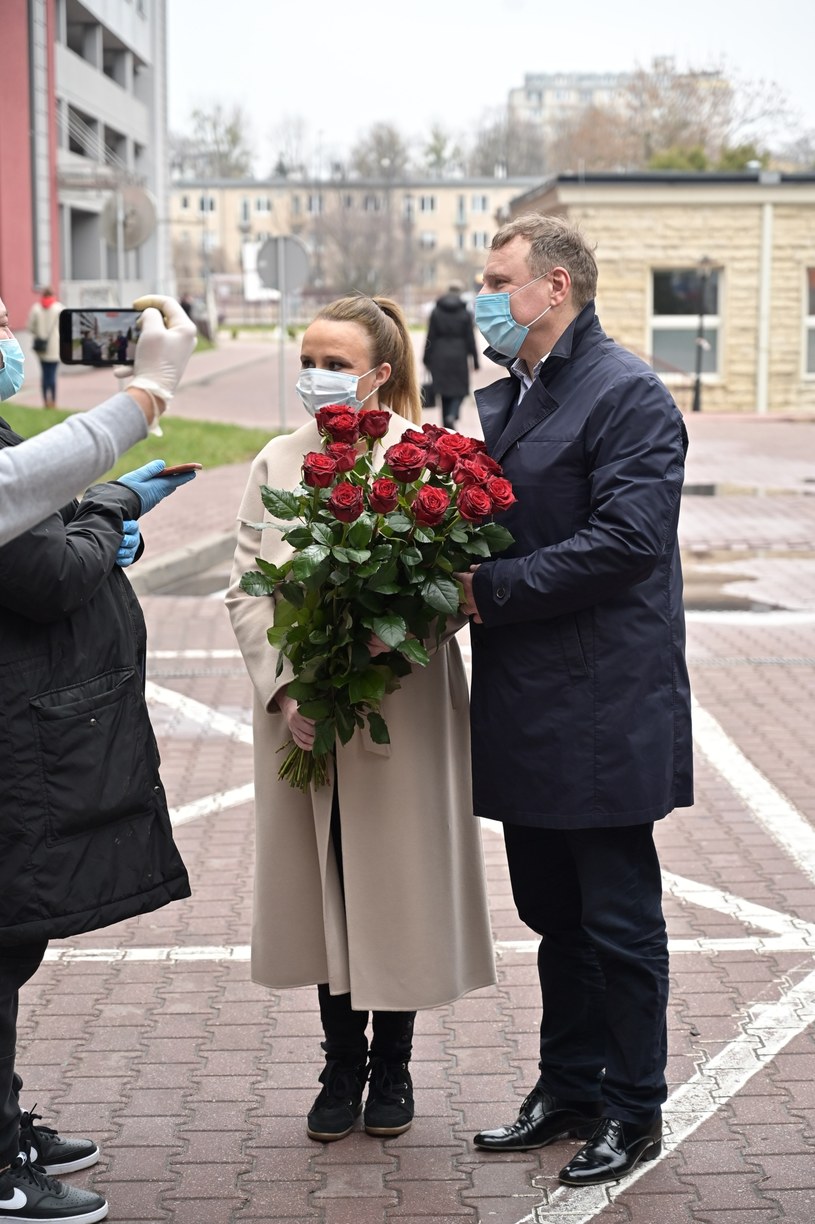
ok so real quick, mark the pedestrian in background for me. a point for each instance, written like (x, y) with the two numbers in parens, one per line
(43, 323)
(580, 711)
(448, 350)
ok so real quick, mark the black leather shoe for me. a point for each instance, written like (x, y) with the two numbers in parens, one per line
(542, 1119)
(614, 1149)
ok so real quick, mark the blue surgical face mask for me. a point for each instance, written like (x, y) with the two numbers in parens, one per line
(319, 388)
(496, 323)
(12, 371)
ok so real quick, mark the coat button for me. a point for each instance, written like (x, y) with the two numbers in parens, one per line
(93, 722)
(501, 593)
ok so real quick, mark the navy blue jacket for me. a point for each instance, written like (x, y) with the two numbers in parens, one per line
(580, 693)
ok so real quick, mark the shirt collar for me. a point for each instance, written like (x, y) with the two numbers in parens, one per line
(521, 371)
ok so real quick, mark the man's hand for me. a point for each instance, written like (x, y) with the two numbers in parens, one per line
(467, 603)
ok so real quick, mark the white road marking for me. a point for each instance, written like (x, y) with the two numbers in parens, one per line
(210, 805)
(192, 654)
(196, 711)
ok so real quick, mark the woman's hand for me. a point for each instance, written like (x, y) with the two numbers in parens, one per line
(376, 646)
(301, 728)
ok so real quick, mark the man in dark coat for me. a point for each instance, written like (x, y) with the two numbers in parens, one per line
(449, 347)
(85, 836)
(581, 730)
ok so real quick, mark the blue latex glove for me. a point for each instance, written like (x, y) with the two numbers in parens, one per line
(150, 486)
(130, 543)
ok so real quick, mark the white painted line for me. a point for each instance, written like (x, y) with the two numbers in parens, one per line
(748, 912)
(774, 619)
(210, 805)
(196, 711)
(193, 654)
(774, 812)
(767, 1029)
(238, 952)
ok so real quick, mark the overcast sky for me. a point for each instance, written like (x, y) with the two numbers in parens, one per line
(342, 65)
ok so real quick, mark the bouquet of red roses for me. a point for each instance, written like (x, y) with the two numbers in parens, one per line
(374, 553)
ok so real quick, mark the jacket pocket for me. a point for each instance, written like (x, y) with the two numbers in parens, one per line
(572, 646)
(95, 757)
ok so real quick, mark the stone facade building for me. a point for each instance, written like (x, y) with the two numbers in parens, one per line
(734, 252)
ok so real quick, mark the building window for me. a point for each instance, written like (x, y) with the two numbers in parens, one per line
(461, 241)
(427, 240)
(185, 203)
(429, 274)
(348, 201)
(370, 203)
(677, 303)
(314, 203)
(480, 240)
(810, 322)
(263, 204)
(206, 203)
(480, 204)
(427, 203)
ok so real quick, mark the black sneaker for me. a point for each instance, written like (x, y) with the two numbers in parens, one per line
(389, 1107)
(333, 1114)
(51, 1151)
(29, 1196)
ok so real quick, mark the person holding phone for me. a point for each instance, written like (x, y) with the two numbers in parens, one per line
(43, 473)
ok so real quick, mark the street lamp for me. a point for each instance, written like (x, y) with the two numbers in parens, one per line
(705, 267)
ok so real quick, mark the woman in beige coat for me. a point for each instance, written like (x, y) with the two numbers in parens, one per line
(374, 888)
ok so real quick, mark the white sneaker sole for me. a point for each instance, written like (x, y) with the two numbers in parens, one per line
(72, 1166)
(87, 1217)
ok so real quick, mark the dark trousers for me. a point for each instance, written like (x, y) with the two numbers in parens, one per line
(48, 372)
(17, 964)
(450, 405)
(344, 1028)
(595, 897)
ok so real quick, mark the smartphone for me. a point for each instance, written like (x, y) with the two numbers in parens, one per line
(98, 336)
(179, 468)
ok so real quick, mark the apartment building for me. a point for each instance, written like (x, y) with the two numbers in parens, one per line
(83, 150)
(406, 237)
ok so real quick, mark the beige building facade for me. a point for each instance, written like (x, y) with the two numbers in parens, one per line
(406, 238)
(728, 257)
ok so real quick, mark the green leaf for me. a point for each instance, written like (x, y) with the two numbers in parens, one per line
(378, 728)
(285, 614)
(298, 537)
(385, 581)
(398, 522)
(477, 547)
(306, 562)
(322, 534)
(292, 593)
(497, 537)
(353, 556)
(300, 691)
(442, 594)
(346, 723)
(411, 556)
(275, 572)
(391, 629)
(360, 532)
(278, 636)
(280, 502)
(368, 685)
(460, 535)
(254, 583)
(325, 735)
(415, 651)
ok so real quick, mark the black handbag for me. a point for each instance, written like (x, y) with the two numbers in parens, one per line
(428, 394)
(40, 344)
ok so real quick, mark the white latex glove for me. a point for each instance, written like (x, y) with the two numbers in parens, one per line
(167, 338)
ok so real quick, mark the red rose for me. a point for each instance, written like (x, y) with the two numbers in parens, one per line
(406, 461)
(339, 422)
(344, 455)
(429, 505)
(318, 470)
(500, 490)
(384, 495)
(345, 502)
(474, 503)
(414, 437)
(431, 432)
(374, 422)
(450, 447)
(475, 469)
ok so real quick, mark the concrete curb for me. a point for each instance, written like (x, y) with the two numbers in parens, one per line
(179, 563)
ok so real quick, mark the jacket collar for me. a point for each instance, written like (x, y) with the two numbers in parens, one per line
(503, 423)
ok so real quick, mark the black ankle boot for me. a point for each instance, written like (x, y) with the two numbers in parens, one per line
(389, 1107)
(333, 1114)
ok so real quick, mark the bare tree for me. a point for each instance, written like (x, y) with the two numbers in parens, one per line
(289, 139)
(590, 139)
(441, 154)
(382, 153)
(220, 144)
(356, 244)
(507, 145)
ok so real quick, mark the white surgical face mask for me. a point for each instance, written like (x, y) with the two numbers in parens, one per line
(319, 388)
(12, 371)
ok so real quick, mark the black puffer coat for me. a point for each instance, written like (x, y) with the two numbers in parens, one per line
(85, 836)
(580, 695)
(450, 342)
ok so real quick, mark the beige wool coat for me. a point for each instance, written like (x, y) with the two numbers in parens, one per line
(413, 930)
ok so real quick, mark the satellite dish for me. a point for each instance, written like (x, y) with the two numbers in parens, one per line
(138, 217)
